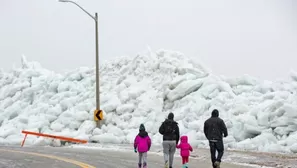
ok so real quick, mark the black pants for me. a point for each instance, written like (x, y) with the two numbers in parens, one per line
(216, 146)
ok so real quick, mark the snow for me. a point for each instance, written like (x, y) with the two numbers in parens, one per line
(106, 138)
(260, 115)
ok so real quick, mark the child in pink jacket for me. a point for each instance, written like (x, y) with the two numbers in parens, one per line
(185, 149)
(142, 143)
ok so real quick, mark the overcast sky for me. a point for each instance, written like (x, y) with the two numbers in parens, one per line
(232, 37)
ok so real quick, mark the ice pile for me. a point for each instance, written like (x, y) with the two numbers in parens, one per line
(260, 115)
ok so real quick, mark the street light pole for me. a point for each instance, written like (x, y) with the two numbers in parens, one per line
(97, 65)
(95, 18)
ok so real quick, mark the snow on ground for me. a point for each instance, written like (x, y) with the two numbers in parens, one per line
(250, 159)
(260, 115)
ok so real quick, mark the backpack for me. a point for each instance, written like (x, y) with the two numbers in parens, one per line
(169, 128)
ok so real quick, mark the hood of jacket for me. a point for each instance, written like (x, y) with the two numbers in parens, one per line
(215, 113)
(184, 139)
(143, 134)
(170, 121)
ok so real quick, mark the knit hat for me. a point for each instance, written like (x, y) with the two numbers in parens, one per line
(141, 127)
(170, 116)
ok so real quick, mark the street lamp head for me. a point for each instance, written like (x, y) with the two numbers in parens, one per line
(93, 17)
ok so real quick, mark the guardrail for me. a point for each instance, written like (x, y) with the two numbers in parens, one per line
(51, 136)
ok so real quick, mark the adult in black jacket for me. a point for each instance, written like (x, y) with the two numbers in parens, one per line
(214, 130)
(170, 131)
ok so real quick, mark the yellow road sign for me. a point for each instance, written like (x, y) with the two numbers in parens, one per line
(98, 115)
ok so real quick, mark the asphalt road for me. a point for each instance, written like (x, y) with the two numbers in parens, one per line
(56, 157)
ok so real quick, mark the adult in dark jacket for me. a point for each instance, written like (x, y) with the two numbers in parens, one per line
(214, 130)
(170, 131)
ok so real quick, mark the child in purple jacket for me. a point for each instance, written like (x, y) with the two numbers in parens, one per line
(185, 149)
(142, 143)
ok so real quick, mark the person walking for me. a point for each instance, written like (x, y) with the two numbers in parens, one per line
(142, 144)
(170, 131)
(185, 149)
(214, 130)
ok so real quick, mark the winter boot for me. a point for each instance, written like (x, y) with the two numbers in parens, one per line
(139, 165)
(217, 164)
(144, 165)
(166, 164)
